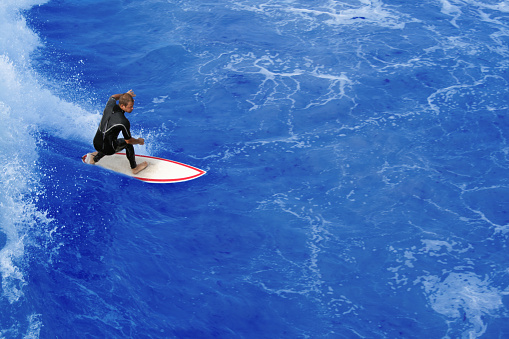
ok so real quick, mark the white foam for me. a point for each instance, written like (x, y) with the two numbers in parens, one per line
(16, 176)
(464, 297)
(451, 10)
(35, 325)
(334, 13)
(26, 109)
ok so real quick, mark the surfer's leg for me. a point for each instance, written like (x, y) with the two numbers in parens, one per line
(96, 157)
(129, 151)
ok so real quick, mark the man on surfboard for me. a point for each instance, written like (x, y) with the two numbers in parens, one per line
(113, 121)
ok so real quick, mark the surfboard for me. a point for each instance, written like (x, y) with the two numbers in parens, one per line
(159, 170)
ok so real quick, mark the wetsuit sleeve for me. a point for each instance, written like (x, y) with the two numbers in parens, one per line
(126, 130)
(110, 104)
(108, 110)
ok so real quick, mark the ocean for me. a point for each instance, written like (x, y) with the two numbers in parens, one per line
(357, 164)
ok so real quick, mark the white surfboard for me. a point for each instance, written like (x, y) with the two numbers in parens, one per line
(159, 170)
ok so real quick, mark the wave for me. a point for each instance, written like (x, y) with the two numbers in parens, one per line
(27, 109)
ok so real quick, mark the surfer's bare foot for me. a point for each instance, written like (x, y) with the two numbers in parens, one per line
(140, 167)
(91, 158)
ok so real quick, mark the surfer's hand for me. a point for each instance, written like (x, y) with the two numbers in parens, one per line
(134, 141)
(131, 93)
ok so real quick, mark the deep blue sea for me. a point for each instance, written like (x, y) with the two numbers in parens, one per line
(357, 158)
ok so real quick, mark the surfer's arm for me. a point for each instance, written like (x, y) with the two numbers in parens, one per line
(135, 141)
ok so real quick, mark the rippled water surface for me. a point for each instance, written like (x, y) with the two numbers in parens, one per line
(356, 156)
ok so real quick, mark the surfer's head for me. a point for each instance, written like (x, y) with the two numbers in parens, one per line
(126, 102)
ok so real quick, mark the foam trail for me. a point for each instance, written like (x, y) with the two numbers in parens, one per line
(26, 109)
(18, 215)
(17, 154)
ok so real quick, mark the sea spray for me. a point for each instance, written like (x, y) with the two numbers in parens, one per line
(17, 166)
(17, 216)
(26, 110)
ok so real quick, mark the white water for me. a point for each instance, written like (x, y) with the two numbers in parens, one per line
(26, 109)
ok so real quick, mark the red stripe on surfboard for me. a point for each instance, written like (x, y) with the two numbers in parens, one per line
(168, 180)
(200, 172)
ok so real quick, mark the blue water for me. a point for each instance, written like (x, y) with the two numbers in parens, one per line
(357, 164)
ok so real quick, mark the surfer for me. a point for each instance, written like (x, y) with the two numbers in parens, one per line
(113, 121)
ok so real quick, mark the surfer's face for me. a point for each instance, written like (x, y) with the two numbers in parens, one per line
(129, 108)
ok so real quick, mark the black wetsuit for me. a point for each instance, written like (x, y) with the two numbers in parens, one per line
(106, 140)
